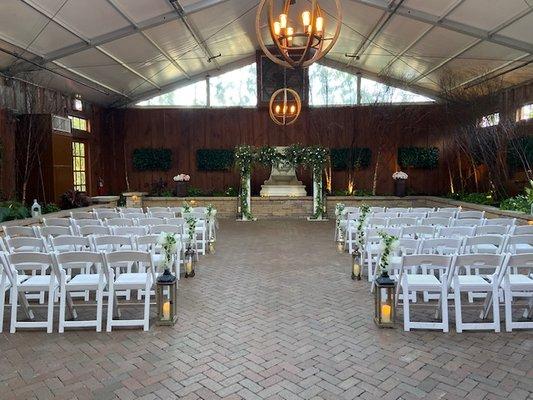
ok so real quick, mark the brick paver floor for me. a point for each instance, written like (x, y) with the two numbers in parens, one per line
(271, 315)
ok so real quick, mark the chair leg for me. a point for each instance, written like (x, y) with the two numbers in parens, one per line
(50, 313)
(406, 321)
(110, 309)
(99, 306)
(62, 311)
(458, 311)
(508, 309)
(147, 306)
(444, 304)
(495, 307)
(14, 304)
(2, 302)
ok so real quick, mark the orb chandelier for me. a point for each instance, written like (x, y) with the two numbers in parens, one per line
(299, 41)
(285, 106)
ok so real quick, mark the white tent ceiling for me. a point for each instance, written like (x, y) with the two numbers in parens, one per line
(122, 51)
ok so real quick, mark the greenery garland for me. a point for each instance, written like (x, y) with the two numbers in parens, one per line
(390, 243)
(268, 156)
(316, 158)
(191, 224)
(245, 156)
(361, 220)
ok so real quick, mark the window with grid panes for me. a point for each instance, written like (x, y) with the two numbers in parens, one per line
(79, 166)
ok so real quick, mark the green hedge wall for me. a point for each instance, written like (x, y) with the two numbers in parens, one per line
(358, 157)
(214, 159)
(148, 159)
(513, 159)
(418, 157)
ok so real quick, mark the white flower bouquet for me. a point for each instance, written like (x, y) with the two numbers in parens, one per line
(400, 175)
(182, 178)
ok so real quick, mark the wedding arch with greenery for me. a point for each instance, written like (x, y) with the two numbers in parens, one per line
(314, 158)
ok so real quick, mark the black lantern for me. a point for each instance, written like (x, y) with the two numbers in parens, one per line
(384, 314)
(167, 299)
(356, 264)
(190, 262)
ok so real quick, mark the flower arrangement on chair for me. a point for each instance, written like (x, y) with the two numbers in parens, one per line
(388, 246)
(169, 244)
(357, 255)
(212, 225)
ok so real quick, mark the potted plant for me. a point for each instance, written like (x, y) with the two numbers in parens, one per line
(182, 183)
(400, 183)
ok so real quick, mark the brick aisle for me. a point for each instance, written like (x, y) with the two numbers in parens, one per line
(272, 315)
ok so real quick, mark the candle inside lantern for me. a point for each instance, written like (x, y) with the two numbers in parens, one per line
(188, 266)
(306, 18)
(277, 28)
(319, 24)
(386, 311)
(356, 269)
(283, 21)
(166, 310)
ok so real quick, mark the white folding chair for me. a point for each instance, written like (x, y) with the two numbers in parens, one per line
(501, 221)
(162, 214)
(373, 222)
(176, 221)
(103, 215)
(129, 230)
(492, 230)
(94, 230)
(417, 215)
(119, 222)
(157, 229)
(132, 215)
(470, 214)
(61, 244)
(436, 221)
(83, 215)
(104, 209)
(385, 215)
(442, 214)
(487, 264)
(427, 282)
(112, 243)
(397, 210)
(56, 222)
(78, 223)
(149, 221)
(26, 244)
(129, 281)
(47, 231)
(438, 246)
(150, 210)
(5, 285)
(522, 230)
(84, 281)
(176, 211)
(19, 231)
(419, 232)
(422, 210)
(469, 222)
(377, 209)
(402, 222)
(456, 232)
(150, 243)
(517, 282)
(372, 247)
(518, 244)
(45, 282)
(454, 210)
(130, 210)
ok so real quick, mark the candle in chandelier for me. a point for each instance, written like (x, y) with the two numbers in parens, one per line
(319, 25)
(290, 32)
(283, 21)
(277, 109)
(277, 28)
(386, 311)
(293, 109)
(166, 310)
(306, 18)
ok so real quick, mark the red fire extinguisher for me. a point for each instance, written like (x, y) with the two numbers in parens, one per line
(100, 186)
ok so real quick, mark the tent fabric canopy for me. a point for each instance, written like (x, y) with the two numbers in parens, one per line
(124, 51)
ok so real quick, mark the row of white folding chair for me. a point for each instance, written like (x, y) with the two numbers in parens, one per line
(499, 272)
(55, 281)
(444, 244)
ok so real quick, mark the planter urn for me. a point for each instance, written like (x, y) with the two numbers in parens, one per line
(400, 187)
(181, 188)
